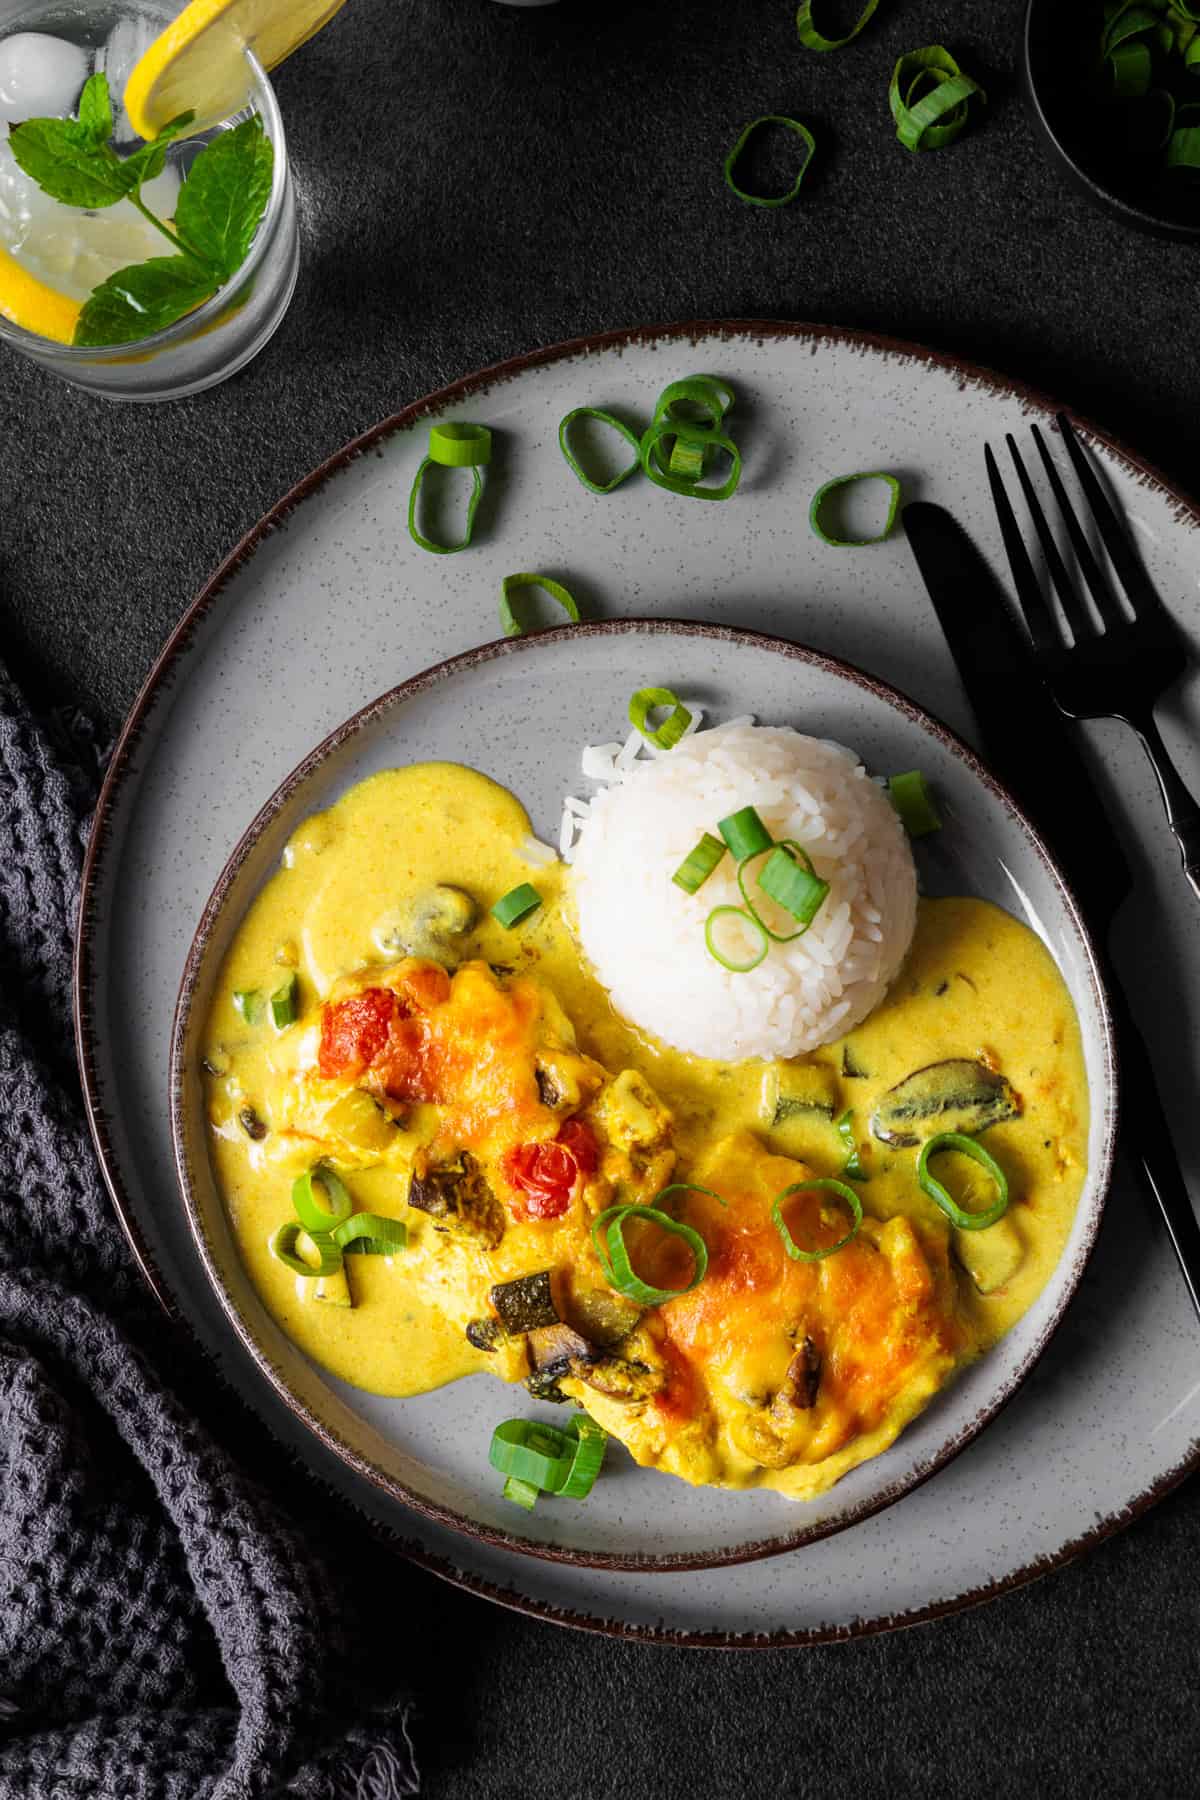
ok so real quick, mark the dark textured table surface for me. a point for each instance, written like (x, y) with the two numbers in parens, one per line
(477, 180)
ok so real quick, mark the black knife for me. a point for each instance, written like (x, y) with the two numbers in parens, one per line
(1030, 747)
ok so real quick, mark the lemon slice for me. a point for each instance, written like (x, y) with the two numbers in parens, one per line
(28, 302)
(197, 64)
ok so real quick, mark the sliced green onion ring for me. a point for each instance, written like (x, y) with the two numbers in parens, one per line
(804, 861)
(521, 1493)
(699, 864)
(283, 1249)
(514, 584)
(706, 398)
(745, 833)
(825, 1184)
(672, 728)
(248, 1004)
(371, 1234)
(719, 922)
(789, 879)
(516, 905)
(311, 1212)
(614, 1257)
(840, 482)
(965, 1146)
(813, 39)
(664, 438)
(931, 119)
(852, 1168)
(687, 459)
(414, 500)
(533, 1452)
(458, 446)
(747, 132)
(284, 1007)
(587, 1460)
(909, 794)
(573, 462)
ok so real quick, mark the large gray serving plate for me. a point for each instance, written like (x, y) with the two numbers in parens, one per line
(331, 588)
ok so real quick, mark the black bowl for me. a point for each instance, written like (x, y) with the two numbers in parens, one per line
(1056, 74)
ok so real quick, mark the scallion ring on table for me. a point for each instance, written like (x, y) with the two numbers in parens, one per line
(573, 462)
(965, 1146)
(370, 1234)
(745, 833)
(516, 905)
(283, 1247)
(515, 584)
(814, 39)
(717, 928)
(825, 493)
(852, 1168)
(664, 438)
(614, 1254)
(824, 1184)
(651, 699)
(699, 864)
(285, 1002)
(909, 794)
(747, 132)
(312, 1212)
(452, 446)
(933, 118)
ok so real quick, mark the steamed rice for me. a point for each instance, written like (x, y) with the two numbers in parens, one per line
(645, 937)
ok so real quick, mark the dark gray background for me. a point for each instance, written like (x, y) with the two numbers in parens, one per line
(475, 181)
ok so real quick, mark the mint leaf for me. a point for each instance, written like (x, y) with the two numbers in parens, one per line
(142, 299)
(225, 195)
(67, 164)
(95, 110)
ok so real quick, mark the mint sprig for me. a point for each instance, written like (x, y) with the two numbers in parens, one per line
(220, 206)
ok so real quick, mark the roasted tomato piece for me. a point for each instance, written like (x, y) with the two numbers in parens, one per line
(547, 1173)
(354, 1031)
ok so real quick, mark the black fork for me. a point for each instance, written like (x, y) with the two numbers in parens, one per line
(1122, 670)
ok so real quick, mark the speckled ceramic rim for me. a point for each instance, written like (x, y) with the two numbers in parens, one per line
(386, 706)
(122, 765)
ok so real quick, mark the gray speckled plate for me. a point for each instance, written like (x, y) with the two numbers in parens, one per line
(1112, 1413)
(520, 710)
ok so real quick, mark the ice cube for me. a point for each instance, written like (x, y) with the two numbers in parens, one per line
(123, 48)
(40, 76)
(22, 202)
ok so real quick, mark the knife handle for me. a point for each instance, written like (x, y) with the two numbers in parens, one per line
(1153, 1151)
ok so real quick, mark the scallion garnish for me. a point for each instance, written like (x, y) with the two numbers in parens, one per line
(283, 1247)
(451, 446)
(314, 1214)
(735, 155)
(284, 1001)
(651, 699)
(737, 939)
(668, 438)
(513, 584)
(587, 1461)
(852, 1168)
(371, 1234)
(965, 1146)
(817, 512)
(602, 418)
(516, 905)
(813, 39)
(745, 834)
(823, 1184)
(521, 1493)
(788, 878)
(699, 864)
(248, 1004)
(614, 1253)
(909, 794)
(695, 400)
(929, 96)
(544, 1459)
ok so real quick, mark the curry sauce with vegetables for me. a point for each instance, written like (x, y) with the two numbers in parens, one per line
(732, 1267)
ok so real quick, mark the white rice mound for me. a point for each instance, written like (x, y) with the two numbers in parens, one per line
(645, 937)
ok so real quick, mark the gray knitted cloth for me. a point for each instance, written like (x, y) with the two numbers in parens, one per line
(165, 1632)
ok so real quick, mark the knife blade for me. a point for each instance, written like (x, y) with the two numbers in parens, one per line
(1029, 745)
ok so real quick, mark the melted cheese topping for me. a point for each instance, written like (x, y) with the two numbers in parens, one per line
(772, 1371)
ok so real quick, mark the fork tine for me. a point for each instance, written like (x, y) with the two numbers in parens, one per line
(1133, 578)
(1107, 604)
(1033, 605)
(1072, 605)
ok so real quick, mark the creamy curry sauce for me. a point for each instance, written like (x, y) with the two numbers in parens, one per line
(894, 1314)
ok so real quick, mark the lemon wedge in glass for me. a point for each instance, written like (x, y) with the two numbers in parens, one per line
(198, 63)
(30, 303)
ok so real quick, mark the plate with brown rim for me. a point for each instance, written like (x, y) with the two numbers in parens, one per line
(168, 820)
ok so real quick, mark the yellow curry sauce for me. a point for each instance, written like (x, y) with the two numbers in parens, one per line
(771, 1372)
